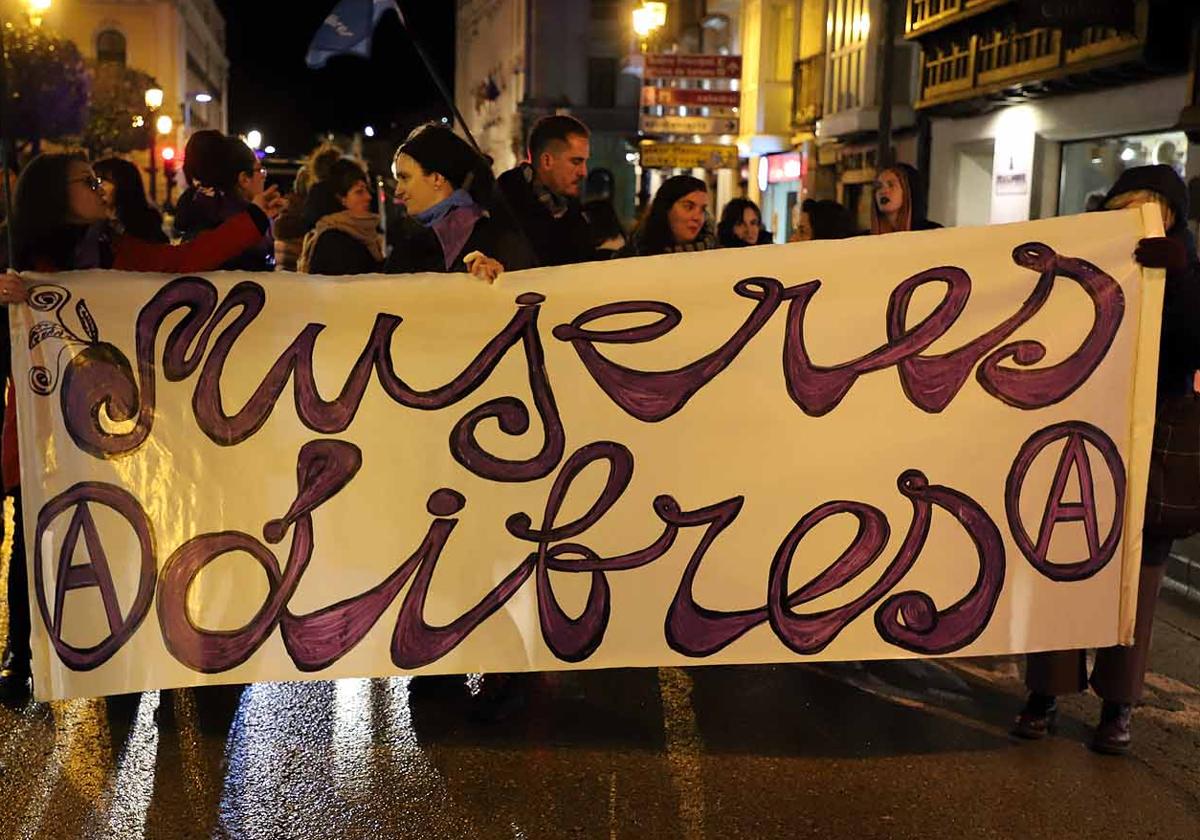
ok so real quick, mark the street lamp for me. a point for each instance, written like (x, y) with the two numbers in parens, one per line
(36, 9)
(648, 17)
(154, 101)
(254, 139)
(202, 97)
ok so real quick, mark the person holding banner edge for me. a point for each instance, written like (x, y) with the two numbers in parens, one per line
(1118, 674)
(447, 188)
(60, 222)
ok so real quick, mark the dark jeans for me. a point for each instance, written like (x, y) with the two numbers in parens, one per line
(1119, 673)
(18, 596)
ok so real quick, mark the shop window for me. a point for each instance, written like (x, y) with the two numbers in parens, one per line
(1090, 167)
(110, 47)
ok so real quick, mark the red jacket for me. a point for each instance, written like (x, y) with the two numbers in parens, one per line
(207, 252)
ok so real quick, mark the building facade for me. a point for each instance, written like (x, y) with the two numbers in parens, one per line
(1033, 116)
(518, 60)
(181, 43)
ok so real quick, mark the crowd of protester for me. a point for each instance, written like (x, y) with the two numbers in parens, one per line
(548, 211)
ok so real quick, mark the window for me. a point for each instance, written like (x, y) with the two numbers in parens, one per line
(110, 47)
(602, 82)
(1089, 167)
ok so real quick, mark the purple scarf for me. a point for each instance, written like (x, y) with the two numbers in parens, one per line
(453, 220)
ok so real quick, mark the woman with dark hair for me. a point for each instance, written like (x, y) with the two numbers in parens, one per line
(825, 219)
(345, 240)
(677, 220)
(320, 166)
(608, 234)
(225, 181)
(1118, 673)
(290, 227)
(741, 225)
(128, 207)
(899, 203)
(447, 189)
(60, 223)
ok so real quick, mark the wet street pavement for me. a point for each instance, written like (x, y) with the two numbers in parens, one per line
(887, 750)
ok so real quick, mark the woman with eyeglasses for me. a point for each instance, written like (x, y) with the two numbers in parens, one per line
(677, 221)
(226, 180)
(128, 208)
(60, 222)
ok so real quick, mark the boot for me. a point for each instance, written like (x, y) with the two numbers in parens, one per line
(16, 681)
(1039, 717)
(1112, 736)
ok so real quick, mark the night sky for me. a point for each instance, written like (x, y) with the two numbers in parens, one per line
(272, 89)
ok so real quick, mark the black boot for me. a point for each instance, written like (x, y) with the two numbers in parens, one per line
(1039, 717)
(1112, 735)
(16, 681)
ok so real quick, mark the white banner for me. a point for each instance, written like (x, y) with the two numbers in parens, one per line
(896, 446)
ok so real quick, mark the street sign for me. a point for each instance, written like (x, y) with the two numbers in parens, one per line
(674, 66)
(688, 125)
(688, 156)
(669, 97)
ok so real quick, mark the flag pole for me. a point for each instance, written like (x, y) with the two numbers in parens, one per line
(437, 79)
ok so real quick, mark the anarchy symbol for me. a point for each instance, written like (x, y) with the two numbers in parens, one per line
(1074, 458)
(96, 572)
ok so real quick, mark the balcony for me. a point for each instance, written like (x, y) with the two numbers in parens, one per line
(926, 16)
(970, 55)
(808, 84)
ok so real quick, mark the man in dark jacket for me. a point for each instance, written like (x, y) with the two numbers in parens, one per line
(542, 194)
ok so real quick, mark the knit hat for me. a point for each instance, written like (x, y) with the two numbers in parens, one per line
(438, 149)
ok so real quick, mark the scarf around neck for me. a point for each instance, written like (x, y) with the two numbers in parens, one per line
(363, 229)
(453, 221)
(555, 204)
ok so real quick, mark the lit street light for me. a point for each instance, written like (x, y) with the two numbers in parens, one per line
(369, 131)
(154, 98)
(202, 97)
(648, 17)
(254, 139)
(165, 124)
(37, 10)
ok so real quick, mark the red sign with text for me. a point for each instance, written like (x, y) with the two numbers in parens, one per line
(670, 97)
(673, 66)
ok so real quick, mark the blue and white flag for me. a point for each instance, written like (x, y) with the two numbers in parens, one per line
(348, 30)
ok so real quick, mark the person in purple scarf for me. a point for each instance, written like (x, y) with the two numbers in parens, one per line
(447, 189)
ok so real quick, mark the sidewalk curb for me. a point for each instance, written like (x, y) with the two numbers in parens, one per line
(1183, 579)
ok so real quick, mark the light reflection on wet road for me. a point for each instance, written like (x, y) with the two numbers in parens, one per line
(879, 750)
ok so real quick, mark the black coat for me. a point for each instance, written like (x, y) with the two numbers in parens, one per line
(337, 252)
(1179, 342)
(198, 211)
(417, 249)
(563, 241)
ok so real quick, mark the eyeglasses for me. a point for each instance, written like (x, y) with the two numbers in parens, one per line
(91, 181)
